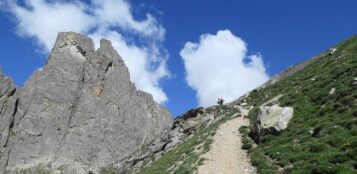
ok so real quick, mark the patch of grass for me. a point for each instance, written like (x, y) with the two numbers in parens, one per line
(333, 149)
(247, 143)
(234, 111)
(35, 170)
(107, 171)
(247, 146)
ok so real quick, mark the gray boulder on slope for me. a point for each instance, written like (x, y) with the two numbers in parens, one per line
(274, 119)
(271, 120)
(81, 113)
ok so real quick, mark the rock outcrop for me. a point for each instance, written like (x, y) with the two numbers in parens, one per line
(186, 124)
(271, 120)
(80, 113)
(274, 119)
(193, 120)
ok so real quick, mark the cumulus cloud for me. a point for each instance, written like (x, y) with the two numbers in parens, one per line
(110, 19)
(218, 66)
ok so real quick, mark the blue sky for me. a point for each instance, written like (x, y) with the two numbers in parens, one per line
(279, 33)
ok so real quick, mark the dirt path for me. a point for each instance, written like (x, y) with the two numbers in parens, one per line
(226, 155)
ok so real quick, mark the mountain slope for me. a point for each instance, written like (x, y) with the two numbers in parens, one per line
(321, 138)
(322, 135)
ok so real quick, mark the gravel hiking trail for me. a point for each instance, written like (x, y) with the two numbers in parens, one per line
(226, 155)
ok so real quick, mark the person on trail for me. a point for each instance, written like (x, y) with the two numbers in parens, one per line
(220, 102)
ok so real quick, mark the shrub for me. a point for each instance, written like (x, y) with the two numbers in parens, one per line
(247, 146)
(339, 158)
(316, 147)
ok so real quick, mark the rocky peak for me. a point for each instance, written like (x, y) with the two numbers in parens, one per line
(81, 113)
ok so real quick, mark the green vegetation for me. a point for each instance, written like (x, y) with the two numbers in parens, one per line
(322, 136)
(38, 170)
(185, 158)
(107, 171)
(247, 143)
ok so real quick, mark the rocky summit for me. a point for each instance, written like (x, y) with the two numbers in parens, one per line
(79, 114)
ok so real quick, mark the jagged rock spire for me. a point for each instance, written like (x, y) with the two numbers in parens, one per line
(82, 113)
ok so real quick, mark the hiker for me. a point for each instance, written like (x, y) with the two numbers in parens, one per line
(220, 102)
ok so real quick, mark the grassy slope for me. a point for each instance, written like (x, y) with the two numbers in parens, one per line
(333, 149)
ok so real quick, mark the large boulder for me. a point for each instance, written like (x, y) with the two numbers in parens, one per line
(274, 118)
(271, 120)
(81, 113)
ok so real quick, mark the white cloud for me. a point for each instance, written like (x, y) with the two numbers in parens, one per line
(111, 19)
(118, 13)
(43, 20)
(218, 66)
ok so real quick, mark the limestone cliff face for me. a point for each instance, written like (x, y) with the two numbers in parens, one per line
(8, 107)
(81, 113)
